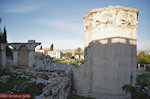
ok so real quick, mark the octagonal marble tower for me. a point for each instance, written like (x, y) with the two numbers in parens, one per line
(110, 53)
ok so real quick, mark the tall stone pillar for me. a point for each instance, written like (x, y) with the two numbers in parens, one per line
(110, 53)
(31, 46)
(31, 58)
(15, 57)
(3, 56)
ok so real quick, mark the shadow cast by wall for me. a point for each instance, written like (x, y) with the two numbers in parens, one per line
(109, 64)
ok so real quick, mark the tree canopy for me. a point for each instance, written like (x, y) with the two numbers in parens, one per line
(3, 35)
(144, 59)
(141, 54)
(41, 47)
(68, 55)
(78, 52)
(0, 20)
(51, 47)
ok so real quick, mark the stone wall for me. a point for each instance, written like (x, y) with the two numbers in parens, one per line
(110, 53)
(46, 63)
(23, 53)
(61, 87)
(57, 83)
(23, 56)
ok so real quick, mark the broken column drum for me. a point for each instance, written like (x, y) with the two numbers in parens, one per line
(110, 52)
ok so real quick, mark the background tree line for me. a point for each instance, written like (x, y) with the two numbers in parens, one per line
(3, 35)
(143, 58)
(3, 39)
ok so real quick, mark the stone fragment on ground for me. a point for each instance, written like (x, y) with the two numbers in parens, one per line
(4, 79)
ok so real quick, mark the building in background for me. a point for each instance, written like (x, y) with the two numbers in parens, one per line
(40, 51)
(55, 54)
(77, 57)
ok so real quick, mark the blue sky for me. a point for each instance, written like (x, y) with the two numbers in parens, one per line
(61, 21)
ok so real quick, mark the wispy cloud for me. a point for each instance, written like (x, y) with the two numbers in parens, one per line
(64, 24)
(20, 9)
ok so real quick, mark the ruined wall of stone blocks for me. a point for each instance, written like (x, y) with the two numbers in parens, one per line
(23, 56)
(110, 53)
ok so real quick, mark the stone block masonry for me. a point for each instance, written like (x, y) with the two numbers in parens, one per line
(57, 83)
(23, 53)
(110, 53)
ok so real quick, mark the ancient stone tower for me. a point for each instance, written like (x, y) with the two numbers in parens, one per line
(110, 53)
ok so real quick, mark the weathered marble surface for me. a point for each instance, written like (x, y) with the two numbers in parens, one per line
(110, 53)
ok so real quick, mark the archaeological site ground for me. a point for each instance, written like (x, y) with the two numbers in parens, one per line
(110, 62)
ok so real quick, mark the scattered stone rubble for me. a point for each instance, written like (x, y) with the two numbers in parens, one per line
(58, 87)
(4, 79)
(57, 83)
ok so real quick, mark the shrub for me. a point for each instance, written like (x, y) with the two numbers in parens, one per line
(142, 88)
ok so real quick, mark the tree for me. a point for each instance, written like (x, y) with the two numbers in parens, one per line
(5, 35)
(52, 47)
(78, 52)
(142, 54)
(141, 89)
(69, 55)
(9, 52)
(144, 59)
(41, 47)
(1, 35)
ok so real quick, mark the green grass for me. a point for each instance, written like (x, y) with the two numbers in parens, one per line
(141, 89)
(70, 61)
(74, 96)
(34, 89)
(63, 61)
(143, 79)
(148, 69)
(60, 61)
(57, 60)
(10, 84)
(3, 73)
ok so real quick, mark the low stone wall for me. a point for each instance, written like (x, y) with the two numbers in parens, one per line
(43, 62)
(57, 88)
(57, 83)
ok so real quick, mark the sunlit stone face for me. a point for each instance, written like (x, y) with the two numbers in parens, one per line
(110, 22)
(110, 36)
